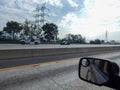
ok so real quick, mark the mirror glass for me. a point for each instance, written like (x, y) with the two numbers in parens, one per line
(94, 70)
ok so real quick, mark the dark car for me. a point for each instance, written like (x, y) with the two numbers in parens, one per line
(65, 43)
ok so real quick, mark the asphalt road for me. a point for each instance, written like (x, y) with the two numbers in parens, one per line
(34, 60)
(54, 76)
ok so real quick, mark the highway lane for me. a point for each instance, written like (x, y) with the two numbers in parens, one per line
(35, 60)
(54, 76)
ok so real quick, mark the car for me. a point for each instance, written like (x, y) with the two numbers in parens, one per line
(99, 72)
(65, 43)
(36, 41)
(30, 41)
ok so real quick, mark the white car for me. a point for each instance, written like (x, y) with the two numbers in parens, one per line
(30, 41)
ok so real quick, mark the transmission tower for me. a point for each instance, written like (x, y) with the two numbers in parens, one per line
(40, 14)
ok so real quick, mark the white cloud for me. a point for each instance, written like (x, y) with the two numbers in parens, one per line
(22, 4)
(84, 26)
(51, 2)
(106, 12)
(72, 3)
(56, 3)
(103, 10)
(19, 10)
(96, 17)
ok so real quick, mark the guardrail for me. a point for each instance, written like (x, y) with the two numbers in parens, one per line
(27, 53)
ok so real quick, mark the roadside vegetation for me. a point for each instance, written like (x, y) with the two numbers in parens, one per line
(14, 31)
(48, 33)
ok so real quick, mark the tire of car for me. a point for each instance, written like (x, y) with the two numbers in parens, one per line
(22, 42)
(36, 43)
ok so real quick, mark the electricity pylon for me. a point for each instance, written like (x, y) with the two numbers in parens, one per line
(40, 14)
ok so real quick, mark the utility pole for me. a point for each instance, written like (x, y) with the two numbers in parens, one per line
(106, 36)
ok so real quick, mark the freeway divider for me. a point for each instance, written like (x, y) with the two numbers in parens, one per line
(27, 53)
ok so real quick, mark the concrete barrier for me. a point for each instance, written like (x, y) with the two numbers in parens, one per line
(25, 53)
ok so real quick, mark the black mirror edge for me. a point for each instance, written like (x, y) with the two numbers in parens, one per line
(80, 67)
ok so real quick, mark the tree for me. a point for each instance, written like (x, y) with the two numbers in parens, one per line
(97, 41)
(76, 38)
(30, 30)
(26, 27)
(1, 33)
(12, 28)
(36, 30)
(50, 32)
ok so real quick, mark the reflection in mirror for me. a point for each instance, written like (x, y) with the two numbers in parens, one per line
(94, 70)
(85, 62)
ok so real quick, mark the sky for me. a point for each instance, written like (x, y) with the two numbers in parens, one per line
(90, 18)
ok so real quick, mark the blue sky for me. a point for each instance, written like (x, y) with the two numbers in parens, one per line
(91, 18)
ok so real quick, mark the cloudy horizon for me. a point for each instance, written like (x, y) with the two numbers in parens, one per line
(90, 18)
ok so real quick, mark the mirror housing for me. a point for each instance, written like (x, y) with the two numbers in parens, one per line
(97, 71)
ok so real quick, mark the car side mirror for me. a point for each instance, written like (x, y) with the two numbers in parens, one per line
(96, 71)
